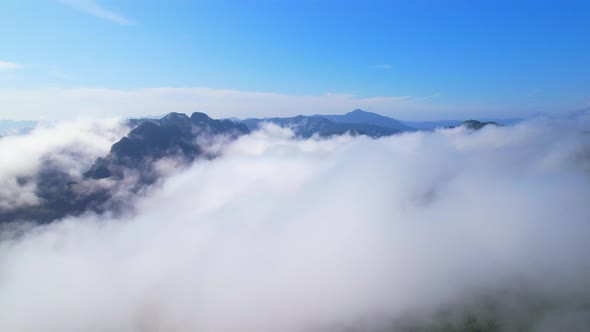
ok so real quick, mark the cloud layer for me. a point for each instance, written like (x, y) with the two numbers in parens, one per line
(71, 147)
(324, 235)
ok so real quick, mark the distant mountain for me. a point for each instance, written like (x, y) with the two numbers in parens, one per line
(325, 126)
(476, 125)
(359, 122)
(431, 125)
(128, 168)
(502, 121)
(233, 119)
(362, 117)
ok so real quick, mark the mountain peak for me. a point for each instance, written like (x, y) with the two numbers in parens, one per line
(175, 116)
(175, 119)
(360, 116)
(359, 111)
(198, 117)
(476, 125)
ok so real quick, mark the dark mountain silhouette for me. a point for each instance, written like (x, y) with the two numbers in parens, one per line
(307, 126)
(476, 125)
(431, 125)
(174, 135)
(359, 122)
(127, 169)
(359, 116)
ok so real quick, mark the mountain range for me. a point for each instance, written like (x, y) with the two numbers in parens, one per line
(359, 116)
(476, 125)
(357, 122)
(307, 126)
(131, 164)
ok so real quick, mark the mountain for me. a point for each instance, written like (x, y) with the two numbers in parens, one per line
(307, 126)
(359, 122)
(431, 125)
(362, 117)
(152, 139)
(503, 121)
(126, 170)
(476, 125)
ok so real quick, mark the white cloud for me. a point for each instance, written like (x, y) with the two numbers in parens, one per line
(6, 65)
(72, 146)
(324, 235)
(92, 7)
(384, 66)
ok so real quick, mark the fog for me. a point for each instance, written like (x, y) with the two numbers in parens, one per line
(70, 146)
(340, 234)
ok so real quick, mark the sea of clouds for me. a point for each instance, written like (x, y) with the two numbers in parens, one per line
(340, 234)
(70, 147)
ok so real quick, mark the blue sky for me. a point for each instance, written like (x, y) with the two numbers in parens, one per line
(427, 59)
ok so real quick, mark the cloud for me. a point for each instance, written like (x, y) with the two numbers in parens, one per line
(384, 66)
(64, 103)
(5, 65)
(93, 8)
(70, 147)
(348, 233)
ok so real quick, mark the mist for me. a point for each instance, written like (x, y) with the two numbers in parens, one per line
(340, 234)
(69, 146)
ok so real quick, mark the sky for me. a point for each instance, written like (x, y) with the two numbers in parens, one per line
(414, 60)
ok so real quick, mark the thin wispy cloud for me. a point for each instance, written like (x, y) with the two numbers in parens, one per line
(383, 66)
(68, 102)
(65, 103)
(93, 8)
(6, 65)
